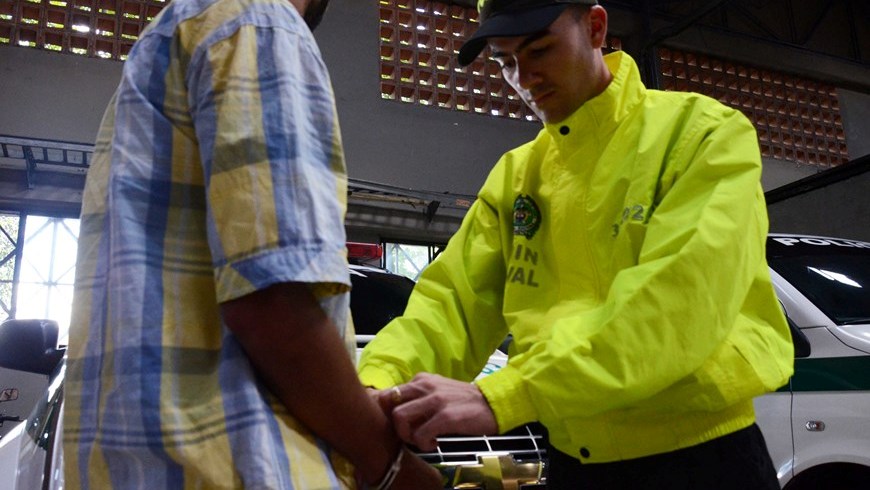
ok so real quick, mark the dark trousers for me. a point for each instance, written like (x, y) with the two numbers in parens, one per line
(737, 461)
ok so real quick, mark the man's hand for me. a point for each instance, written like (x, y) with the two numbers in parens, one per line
(430, 406)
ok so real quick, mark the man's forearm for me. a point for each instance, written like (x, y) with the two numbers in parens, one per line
(299, 354)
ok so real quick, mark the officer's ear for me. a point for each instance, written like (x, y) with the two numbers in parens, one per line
(597, 18)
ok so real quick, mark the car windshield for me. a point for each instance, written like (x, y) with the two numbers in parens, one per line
(832, 273)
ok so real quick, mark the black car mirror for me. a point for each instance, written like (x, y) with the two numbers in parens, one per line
(30, 345)
(799, 339)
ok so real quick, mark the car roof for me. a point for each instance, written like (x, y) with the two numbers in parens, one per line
(377, 297)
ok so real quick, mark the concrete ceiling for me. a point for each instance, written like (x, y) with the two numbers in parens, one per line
(838, 28)
(835, 31)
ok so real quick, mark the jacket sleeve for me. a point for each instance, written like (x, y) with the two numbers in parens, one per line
(453, 320)
(664, 317)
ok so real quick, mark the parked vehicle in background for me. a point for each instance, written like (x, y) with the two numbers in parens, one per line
(31, 394)
(818, 426)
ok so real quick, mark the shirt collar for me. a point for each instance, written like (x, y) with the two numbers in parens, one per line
(599, 117)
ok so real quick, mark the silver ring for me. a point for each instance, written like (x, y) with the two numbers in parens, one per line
(396, 394)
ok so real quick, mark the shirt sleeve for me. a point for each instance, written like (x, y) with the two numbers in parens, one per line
(275, 181)
(671, 313)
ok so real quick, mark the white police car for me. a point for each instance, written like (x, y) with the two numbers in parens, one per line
(817, 427)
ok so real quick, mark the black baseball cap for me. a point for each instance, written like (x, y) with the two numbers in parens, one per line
(506, 18)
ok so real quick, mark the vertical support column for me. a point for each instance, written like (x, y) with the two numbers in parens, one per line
(19, 255)
(31, 165)
(649, 58)
(16, 268)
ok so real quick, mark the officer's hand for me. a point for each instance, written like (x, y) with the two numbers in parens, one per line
(430, 406)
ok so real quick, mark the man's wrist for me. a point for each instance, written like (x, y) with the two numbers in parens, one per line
(389, 476)
(392, 471)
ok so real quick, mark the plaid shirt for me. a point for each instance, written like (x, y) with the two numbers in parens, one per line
(218, 171)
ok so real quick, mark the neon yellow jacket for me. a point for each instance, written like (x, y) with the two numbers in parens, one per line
(624, 250)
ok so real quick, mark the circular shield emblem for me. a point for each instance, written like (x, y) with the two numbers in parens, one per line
(527, 216)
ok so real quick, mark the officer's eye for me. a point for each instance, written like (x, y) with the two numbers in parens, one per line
(537, 50)
(505, 63)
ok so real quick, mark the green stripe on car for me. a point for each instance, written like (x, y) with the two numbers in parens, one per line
(831, 374)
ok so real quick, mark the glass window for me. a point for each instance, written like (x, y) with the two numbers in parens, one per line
(409, 260)
(419, 41)
(47, 271)
(833, 274)
(797, 119)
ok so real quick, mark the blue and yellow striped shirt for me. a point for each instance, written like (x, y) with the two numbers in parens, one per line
(218, 171)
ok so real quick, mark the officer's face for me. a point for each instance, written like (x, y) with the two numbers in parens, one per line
(556, 70)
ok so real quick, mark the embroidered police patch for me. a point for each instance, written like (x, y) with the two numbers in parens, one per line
(527, 216)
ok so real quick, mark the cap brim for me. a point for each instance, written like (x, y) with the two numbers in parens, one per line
(509, 24)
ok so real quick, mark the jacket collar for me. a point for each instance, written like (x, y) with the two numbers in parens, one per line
(599, 117)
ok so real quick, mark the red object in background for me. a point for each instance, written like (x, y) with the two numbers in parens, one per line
(364, 251)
